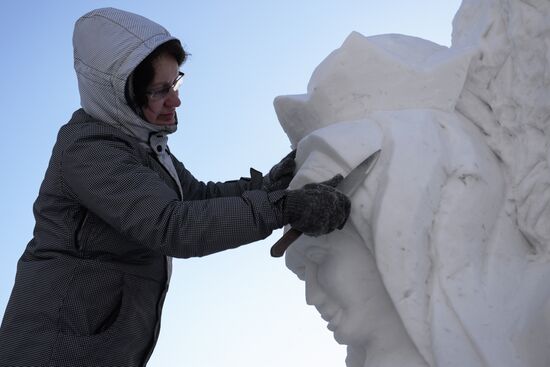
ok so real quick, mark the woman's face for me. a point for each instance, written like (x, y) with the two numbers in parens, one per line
(163, 111)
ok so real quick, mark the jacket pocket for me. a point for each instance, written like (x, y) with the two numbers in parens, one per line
(79, 238)
(93, 302)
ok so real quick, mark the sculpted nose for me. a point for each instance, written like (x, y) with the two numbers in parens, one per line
(314, 293)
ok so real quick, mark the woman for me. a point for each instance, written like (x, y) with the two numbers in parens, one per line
(115, 206)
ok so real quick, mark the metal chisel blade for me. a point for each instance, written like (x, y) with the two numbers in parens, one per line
(348, 186)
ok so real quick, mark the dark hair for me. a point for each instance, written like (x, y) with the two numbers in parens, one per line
(144, 73)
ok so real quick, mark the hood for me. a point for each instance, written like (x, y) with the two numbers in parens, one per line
(108, 45)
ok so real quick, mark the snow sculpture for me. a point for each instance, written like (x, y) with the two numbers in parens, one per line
(445, 260)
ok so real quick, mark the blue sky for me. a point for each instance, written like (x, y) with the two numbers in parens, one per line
(237, 308)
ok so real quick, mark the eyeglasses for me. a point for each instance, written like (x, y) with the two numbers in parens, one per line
(158, 94)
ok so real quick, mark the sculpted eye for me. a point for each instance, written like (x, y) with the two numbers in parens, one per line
(316, 255)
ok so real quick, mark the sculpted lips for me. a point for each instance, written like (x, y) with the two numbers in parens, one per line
(333, 318)
(334, 321)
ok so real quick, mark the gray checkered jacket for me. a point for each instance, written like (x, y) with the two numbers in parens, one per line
(91, 283)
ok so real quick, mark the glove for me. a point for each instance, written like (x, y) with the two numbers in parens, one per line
(281, 174)
(317, 208)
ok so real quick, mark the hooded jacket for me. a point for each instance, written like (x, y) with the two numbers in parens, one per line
(113, 205)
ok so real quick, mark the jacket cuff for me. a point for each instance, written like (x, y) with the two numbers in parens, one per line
(256, 179)
(277, 199)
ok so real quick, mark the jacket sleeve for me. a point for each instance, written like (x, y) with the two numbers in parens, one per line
(195, 189)
(104, 175)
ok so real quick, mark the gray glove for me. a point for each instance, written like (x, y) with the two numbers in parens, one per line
(281, 174)
(317, 208)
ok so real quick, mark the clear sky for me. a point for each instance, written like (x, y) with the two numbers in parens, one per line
(237, 308)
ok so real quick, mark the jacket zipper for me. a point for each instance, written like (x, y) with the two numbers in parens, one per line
(180, 194)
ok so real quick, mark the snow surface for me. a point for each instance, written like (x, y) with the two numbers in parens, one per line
(445, 260)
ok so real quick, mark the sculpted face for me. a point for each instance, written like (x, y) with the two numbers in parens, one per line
(343, 283)
(342, 279)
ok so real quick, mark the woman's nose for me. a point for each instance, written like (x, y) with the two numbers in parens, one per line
(314, 293)
(173, 99)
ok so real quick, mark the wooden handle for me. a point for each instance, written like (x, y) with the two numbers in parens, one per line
(279, 248)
